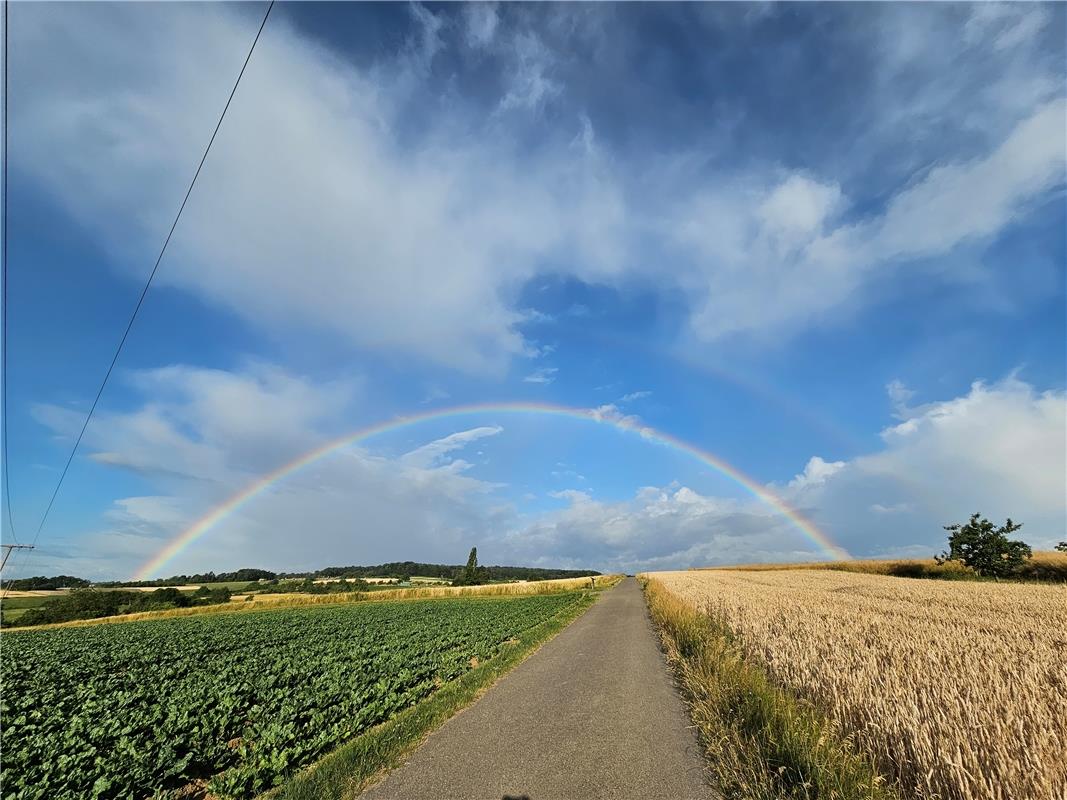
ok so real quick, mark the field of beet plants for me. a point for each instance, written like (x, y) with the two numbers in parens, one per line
(142, 709)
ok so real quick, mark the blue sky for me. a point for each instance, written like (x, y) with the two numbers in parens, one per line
(823, 242)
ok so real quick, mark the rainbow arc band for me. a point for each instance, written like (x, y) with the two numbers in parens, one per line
(627, 424)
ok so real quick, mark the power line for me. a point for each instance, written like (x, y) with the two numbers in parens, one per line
(3, 302)
(151, 276)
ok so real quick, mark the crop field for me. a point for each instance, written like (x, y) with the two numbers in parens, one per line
(1043, 565)
(957, 690)
(243, 603)
(230, 702)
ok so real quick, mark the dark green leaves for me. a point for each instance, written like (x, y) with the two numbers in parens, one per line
(136, 709)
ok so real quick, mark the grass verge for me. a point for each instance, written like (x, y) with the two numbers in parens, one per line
(762, 743)
(345, 772)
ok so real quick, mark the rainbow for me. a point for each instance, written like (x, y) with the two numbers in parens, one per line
(603, 416)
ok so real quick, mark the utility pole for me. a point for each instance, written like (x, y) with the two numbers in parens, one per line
(7, 552)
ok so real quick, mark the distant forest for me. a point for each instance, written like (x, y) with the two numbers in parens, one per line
(395, 569)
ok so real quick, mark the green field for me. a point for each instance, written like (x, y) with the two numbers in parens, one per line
(240, 700)
(15, 607)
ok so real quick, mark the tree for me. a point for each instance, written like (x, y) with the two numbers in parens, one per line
(1062, 547)
(471, 575)
(985, 548)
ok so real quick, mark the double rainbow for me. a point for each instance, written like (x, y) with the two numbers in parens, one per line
(205, 523)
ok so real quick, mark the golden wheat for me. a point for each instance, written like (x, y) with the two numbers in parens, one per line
(958, 690)
(1048, 565)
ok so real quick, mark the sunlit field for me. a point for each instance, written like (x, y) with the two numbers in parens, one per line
(252, 602)
(1046, 565)
(957, 690)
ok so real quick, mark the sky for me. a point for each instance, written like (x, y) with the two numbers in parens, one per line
(822, 244)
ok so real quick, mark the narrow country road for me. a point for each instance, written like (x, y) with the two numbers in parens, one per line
(592, 714)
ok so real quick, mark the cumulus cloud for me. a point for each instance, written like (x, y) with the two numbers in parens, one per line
(657, 528)
(997, 449)
(816, 472)
(202, 435)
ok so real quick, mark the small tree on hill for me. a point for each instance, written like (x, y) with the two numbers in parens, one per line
(1062, 547)
(985, 548)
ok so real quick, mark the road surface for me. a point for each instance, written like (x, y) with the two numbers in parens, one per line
(592, 714)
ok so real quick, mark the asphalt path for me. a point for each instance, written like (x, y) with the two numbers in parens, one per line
(592, 714)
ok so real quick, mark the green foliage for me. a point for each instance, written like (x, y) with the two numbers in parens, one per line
(96, 603)
(985, 548)
(1062, 547)
(309, 586)
(243, 700)
(348, 769)
(41, 583)
(472, 574)
(398, 569)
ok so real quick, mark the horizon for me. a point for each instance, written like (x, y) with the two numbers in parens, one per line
(796, 275)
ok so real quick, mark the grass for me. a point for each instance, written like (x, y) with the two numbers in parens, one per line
(953, 690)
(14, 607)
(345, 772)
(1045, 565)
(264, 602)
(762, 743)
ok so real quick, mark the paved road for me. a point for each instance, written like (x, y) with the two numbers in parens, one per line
(592, 714)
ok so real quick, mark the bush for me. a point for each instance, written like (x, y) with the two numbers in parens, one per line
(985, 548)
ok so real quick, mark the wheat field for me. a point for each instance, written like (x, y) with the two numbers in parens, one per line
(1045, 565)
(958, 690)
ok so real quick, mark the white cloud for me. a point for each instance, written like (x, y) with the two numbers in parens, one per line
(202, 435)
(1007, 24)
(530, 84)
(955, 457)
(308, 213)
(542, 375)
(432, 454)
(657, 527)
(899, 396)
(816, 472)
(998, 449)
(798, 208)
(976, 199)
(639, 395)
(482, 21)
(768, 261)
(896, 508)
(321, 208)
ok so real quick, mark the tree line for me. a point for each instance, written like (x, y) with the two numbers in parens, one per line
(400, 570)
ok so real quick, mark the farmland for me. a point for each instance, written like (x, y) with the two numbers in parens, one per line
(953, 690)
(232, 702)
(1044, 565)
